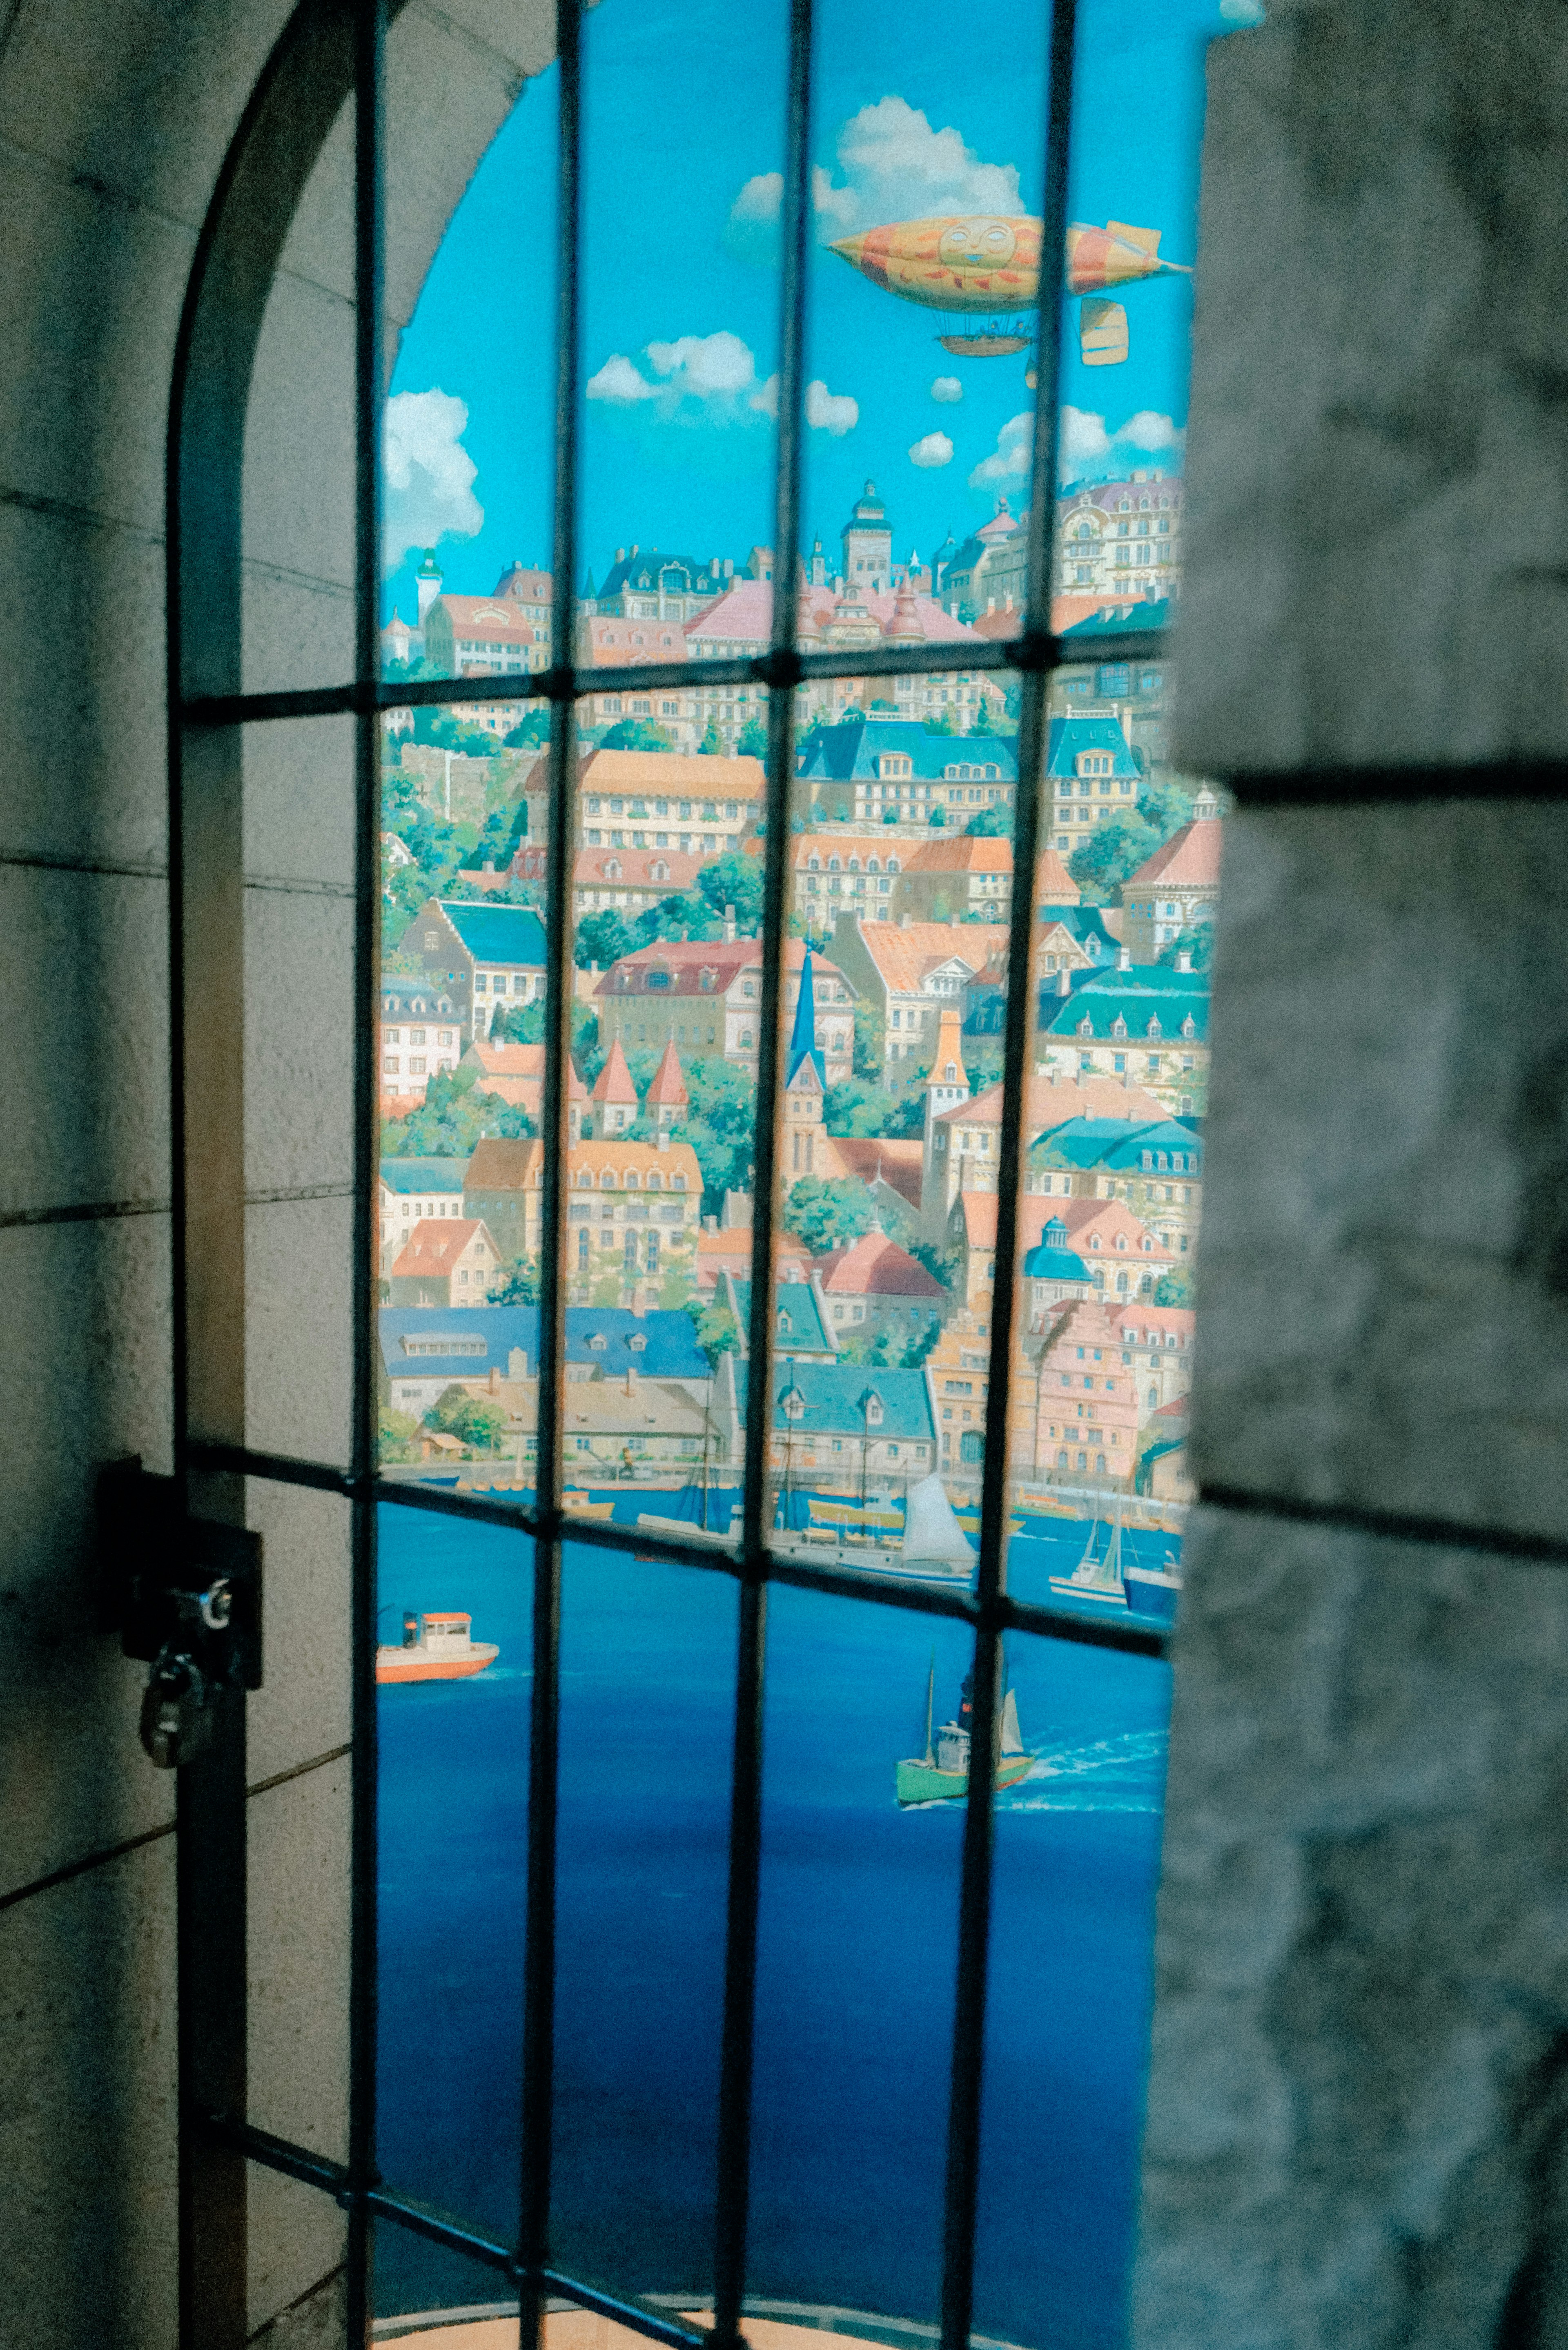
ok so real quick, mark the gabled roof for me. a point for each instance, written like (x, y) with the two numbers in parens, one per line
(964, 854)
(407, 1176)
(614, 1083)
(906, 953)
(507, 934)
(720, 777)
(833, 1396)
(1070, 737)
(796, 1299)
(851, 749)
(1095, 1226)
(1116, 1142)
(685, 961)
(744, 614)
(485, 616)
(1054, 885)
(664, 868)
(501, 1163)
(1188, 859)
(508, 1060)
(896, 1160)
(668, 1090)
(875, 1266)
(405, 997)
(1142, 993)
(435, 1245)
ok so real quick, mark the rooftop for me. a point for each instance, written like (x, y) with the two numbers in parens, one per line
(504, 934)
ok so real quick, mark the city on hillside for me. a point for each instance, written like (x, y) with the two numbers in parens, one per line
(899, 880)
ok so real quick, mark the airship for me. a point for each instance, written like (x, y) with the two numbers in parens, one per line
(989, 267)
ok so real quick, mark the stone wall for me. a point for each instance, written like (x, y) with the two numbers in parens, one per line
(1355, 2134)
(114, 123)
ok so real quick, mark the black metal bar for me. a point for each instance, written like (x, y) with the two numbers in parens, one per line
(781, 668)
(965, 2106)
(421, 2218)
(536, 2120)
(369, 43)
(737, 2048)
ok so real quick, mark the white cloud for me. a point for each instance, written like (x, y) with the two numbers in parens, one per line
(1010, 460)
(712, 379)
(752, 231)
(947, 387)
(428, 475)
(696, 379)
(1087, 450)
(936, 449)
(894, 166)
(831, 412)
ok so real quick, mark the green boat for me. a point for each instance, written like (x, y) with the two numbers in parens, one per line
(941, 1775)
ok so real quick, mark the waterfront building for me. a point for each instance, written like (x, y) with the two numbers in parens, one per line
(1087, 1411)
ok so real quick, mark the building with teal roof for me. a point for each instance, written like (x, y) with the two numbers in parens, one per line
(800, 1324)
(1155, 1166)
(1146, 1023)
(487, 957)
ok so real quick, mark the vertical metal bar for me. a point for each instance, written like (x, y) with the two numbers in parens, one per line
(734, 2136)
(369, 42)
(544, 1735)
(964, 2113)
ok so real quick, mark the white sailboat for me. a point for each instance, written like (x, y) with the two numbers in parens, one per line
(934, 1541)
(1098, 1575)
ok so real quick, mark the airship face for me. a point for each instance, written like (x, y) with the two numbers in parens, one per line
(981, 264)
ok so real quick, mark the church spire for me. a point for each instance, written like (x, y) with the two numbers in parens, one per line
(803, 1037)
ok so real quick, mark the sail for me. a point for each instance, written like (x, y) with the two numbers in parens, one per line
(932, 1535)
(1101, 1576)
(1011, 1737)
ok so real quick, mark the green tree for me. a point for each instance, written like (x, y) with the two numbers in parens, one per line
(1197, 941)
(1113, 851)
(732, 880)
(473, 1420)
(395, 1435)
(520, 1024)
(455, 1114)
(711, 746)
(753, 742)
(715, 1329)
(868, 1346)
(890, 816)
(1174, 1289)
(920, 1346)
(1165, 806)
(939, 817)
(636, 735)
(990, 824)
(603, 938)
(943, 723)
(982, 722)
(940, 1263)
(432, 724)
(826, 1212)
(517, 1284)
(870, 1042)
(532, 729)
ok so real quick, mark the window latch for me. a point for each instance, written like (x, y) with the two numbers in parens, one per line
(185, 1594)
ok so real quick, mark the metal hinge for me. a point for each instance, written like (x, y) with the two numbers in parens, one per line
(185, 1595)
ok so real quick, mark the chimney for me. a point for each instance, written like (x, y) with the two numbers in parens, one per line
(661, 1140)
(518, 1364)
(631, 1378)
(620, 554)
(1126, 723)
(903, 922)
(1063, 982)
(495, 1378)
(729, 922)
(1124, 958)
(1184, 960)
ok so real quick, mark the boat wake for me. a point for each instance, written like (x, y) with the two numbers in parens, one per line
(1125, 1774)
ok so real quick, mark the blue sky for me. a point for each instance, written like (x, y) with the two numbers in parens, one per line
(917, 112)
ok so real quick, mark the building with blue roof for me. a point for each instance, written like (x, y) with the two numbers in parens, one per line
(1157, 1167)
(1095, 775)
(411, 1189)
(484, 956)
(801, 1327)
(838, 1425)
(1146, 1023)
(866, 768)
(425, 1349)
(1054, 1271)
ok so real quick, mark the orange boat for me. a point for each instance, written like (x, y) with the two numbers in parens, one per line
(434, 1648)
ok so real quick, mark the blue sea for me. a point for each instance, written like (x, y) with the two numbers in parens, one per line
(858, 1935)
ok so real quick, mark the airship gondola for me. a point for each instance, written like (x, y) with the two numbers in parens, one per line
(989, 265)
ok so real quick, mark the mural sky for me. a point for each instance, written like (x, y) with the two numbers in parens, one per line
(918, 113)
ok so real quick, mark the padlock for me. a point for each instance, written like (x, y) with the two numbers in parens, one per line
(176, 1712)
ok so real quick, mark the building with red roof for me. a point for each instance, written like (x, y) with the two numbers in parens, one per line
(1178, 886)
(613, 1095)
(874, 1283)
(446, 1262)
(957, 878)
(667, 1099)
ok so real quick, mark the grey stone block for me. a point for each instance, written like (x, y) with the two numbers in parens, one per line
(297, 1874)
(87, 2110)
(299, 1359)
(1357, 2132)
(299, 1039)
(299, 801)
(85, 1380)
(1378, 465)
(1383, 1261)
(302, 1708)
(84, 1020)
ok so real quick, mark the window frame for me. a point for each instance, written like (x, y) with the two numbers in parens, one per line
(330, 55)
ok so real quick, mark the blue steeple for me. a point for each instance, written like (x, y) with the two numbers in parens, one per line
(803, 1037)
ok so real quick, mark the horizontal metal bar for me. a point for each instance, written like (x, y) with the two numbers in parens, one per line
(1388, 1525)
(774, 670)
(421, 2218)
